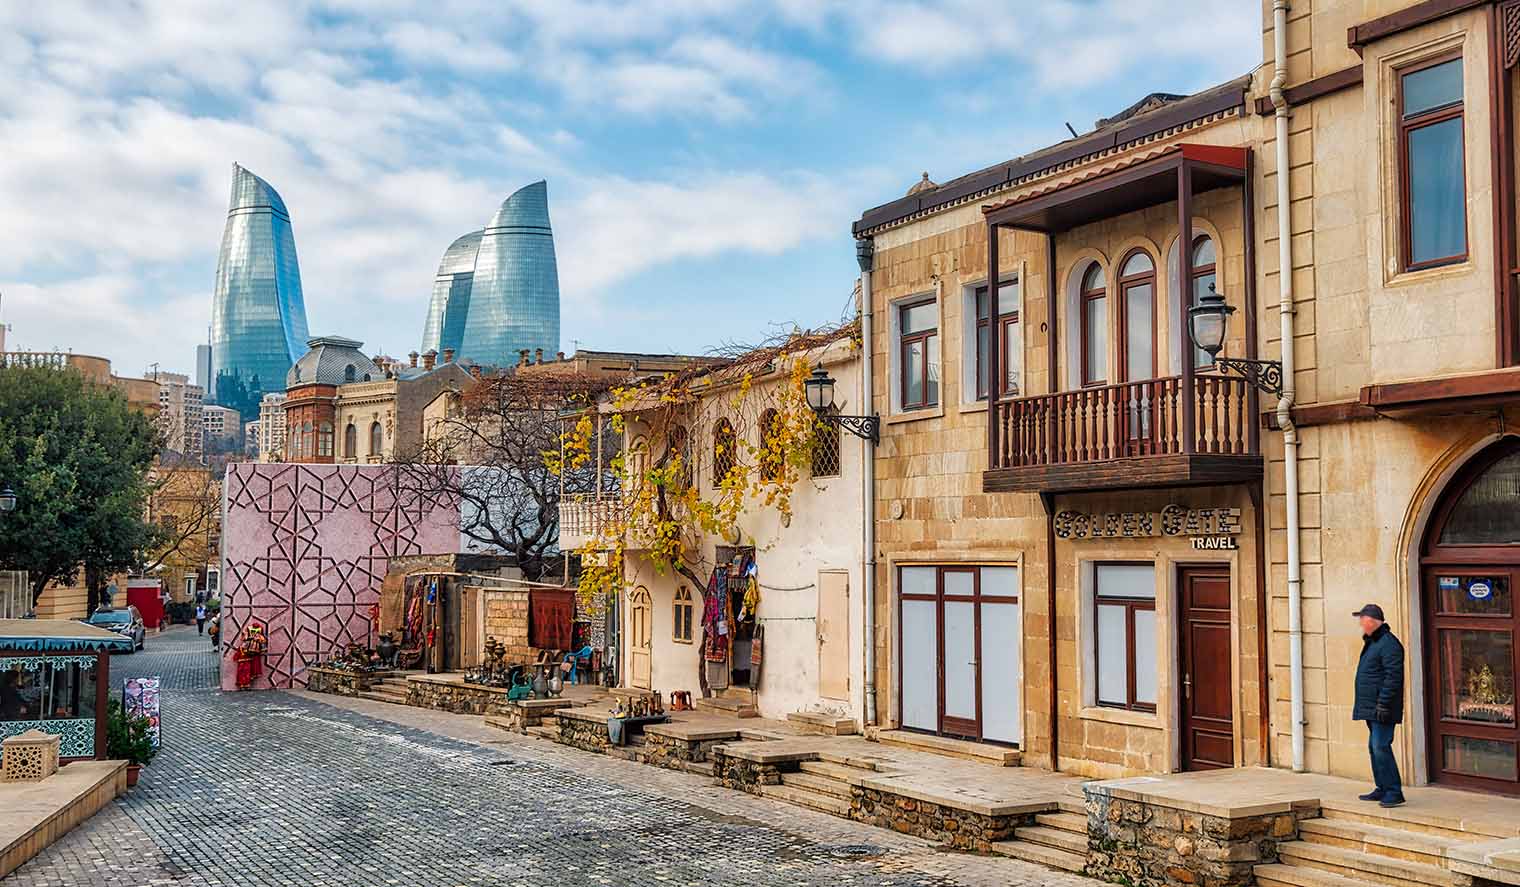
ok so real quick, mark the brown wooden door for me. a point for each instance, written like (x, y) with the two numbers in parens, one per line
(1207, 680)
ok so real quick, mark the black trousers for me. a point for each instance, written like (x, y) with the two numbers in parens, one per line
(200, 626)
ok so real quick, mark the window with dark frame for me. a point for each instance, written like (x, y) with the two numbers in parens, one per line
(350, 442)
(1093, 311)
(918, 353)
(1124, 635)
(1137, 321)
(724, 443)
(1205, 265)
(1432, 164)
(1013, 343)
(376, 438)
(682, 632)
(325, 440)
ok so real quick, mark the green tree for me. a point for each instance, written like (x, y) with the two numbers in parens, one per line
(77, 456)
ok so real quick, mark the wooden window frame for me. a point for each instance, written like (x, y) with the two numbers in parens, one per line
(1406, 125)
(1085, 295)
(1130, 605)
(904, 340)
(684, 615)
(325, 434)
(1005, 320)
(1199, 270)
(1125, 284)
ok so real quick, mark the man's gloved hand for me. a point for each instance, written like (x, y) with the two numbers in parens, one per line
(1383, 715)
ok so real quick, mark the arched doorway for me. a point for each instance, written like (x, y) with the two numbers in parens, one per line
(1469, 572)
(640, 638)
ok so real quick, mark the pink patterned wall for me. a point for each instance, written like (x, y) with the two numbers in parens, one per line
(305, 548)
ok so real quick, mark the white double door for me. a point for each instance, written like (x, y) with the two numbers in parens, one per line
(962, 643)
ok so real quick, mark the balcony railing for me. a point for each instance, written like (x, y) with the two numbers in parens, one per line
(1149, 420)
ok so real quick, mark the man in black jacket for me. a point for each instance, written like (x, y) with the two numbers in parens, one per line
(1380, 702)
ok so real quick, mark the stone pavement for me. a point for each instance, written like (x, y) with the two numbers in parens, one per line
(257, 789)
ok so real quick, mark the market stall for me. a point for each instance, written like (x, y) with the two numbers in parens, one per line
(54, 676)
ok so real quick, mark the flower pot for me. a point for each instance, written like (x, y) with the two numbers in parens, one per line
(133, 771)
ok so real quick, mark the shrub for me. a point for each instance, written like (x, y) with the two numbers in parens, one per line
(127, 736)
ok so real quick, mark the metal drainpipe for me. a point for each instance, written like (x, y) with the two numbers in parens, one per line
(868, 495)
(1285, 403)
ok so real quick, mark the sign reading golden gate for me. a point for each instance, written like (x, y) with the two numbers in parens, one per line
(1173, 520)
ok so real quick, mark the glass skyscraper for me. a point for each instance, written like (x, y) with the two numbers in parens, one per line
(258, 317)
(497, 290)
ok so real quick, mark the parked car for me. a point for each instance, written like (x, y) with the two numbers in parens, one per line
(126, 621)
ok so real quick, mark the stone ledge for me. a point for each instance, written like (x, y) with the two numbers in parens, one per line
(891, 784)
(1496, 862)
(39, 813)
(959, 828)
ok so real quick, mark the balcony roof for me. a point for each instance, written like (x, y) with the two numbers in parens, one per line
(1136, 183)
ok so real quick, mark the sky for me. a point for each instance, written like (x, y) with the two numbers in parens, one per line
(704, 158)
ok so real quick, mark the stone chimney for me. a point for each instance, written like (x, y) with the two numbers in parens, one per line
(538, 355)
(522, 357)
(413, 356)
(475, 371)
(448, 355)
(559, 356)
(429, 359)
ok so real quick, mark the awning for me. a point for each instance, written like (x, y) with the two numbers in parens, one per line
(59, 636)
(1115, 191)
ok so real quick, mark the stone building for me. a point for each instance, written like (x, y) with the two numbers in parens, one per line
(272, 428)
(1173, 610)
(382, 417)
(181, 408)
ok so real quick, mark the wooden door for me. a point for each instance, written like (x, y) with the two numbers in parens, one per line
(1207, 679)
(640, 638)
(834, 635)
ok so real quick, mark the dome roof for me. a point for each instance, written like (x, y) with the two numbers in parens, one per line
(332, 360)
(921, 186)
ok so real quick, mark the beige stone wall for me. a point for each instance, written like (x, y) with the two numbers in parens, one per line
(507, 622)
(1361, 321)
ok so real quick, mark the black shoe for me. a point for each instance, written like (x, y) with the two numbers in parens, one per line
(1374, 795)
(1396, 801)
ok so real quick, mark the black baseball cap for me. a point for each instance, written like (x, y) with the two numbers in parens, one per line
(1372, 610)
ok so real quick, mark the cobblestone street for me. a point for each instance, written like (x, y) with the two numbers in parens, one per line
(286, 789)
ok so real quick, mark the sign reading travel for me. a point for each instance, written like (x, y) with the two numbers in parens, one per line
(140, 699)
(1173, 520)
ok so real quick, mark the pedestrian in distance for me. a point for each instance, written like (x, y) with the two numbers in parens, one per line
(215, 629)
(1380, 701)
(200, 618)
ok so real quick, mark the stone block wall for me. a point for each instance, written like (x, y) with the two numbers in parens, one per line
(507, 622)
(342, 683)
(586, 735)
(674, 753)
(1149, 845)
(745, 776)
(961, 829)
(466, 699)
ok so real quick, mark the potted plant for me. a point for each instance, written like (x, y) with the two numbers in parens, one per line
(127, 739)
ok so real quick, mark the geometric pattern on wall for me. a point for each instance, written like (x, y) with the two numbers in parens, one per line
(76, 735)
(306, 548)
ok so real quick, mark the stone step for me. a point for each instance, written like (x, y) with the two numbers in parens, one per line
(738, 708)
(1067, 822)
(383, 697)
(1072, 805)
(986, 753)
(1367, 838)
(1414, 819)
(704, 768)
(1279, 875)
(499, 723)
(545, 731)
(821, 784)
(821, 724)
(1060, 839)
(829, 770)
(801, 797)
(1050, 857)
(1369, 866)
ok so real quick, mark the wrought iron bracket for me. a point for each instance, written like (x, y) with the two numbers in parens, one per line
(864, 427)
(1266, 375)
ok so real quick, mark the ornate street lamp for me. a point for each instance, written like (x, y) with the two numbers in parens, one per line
(1207, 322)
(820, 396)
(7, 500)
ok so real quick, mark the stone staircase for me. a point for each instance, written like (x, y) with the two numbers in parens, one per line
(391, 688)
(818, 723)
(818, 785)
(733, 701)
(1057, 839)
(1347, 849)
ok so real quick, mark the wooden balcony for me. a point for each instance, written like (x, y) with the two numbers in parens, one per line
(1153, 433)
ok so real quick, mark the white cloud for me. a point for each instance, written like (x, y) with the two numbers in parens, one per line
(438, 47)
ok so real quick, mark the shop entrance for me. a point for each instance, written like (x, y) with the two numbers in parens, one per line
(1208, 717)
(961, 640)
(1470, 563)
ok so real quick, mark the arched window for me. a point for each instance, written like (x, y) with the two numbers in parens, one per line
(725, 442)
(1204, 279)
(325, 440)
(1137, 304)
(682, 630)
(772, 458)
(308, 440)
(350, 442)
(1093, 308)
(376, 439)
(350, 373)
(679, 447)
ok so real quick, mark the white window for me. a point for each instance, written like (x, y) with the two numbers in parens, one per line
(1124, 648)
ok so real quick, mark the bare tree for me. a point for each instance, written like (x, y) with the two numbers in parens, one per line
(185, 509)
(497, 452)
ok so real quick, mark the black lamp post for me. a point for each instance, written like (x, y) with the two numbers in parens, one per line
(1207, 322)
(7, 500)
(820, 396)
